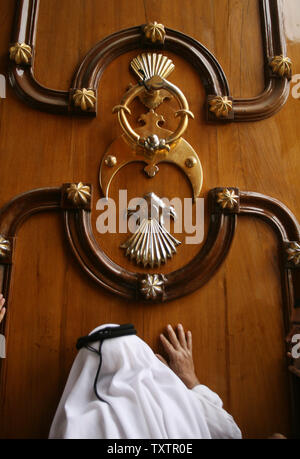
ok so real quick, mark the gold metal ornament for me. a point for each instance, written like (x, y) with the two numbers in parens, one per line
(282, 66)
(127, 153)
(5, 247)
(220, 106)
(227, 199)
(151, 143)
(190, 162)
(152, 286)
(146, 66)
(84, 98)
(151, 244)
(79, 193)
(293, 253)
(21, 53)
(155, 32)
(110, 161)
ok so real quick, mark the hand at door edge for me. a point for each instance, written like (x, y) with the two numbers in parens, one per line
(178, 347)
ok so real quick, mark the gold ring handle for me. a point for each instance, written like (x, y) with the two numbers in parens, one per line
(152, 142)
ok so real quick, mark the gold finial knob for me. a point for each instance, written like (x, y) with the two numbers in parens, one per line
(190, 162)
(220, 106)
(282, 66)
(293, 252)
(84, 98)
(155, 32)
(152, 286)
(20, 53)
(110, 161)
(5, 247)
(79, 193)
(227, 199)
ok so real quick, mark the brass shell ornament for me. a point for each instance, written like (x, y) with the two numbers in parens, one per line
(220, 106)
(155, 32)
(5, 247)
(84, 98)
(110, 161)
(21, 53)
(151, 244)
(293, 253)
(150, 142)
(227, 199)
(152, 286)
(282, 66)
(79, 193)
(146, 66)
(154, 83)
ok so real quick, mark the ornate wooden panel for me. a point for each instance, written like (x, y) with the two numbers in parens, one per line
(277, 71)
(237, 289)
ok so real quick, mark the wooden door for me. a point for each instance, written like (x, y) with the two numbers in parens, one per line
(237, 314)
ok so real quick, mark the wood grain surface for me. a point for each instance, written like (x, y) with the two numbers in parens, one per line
(236, 318)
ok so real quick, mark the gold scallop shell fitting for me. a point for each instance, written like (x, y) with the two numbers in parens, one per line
(21, 53)
(220, 106)
(151, 244)
(282, 66)
(145, 66)
(152, 286)
(227, 199)
(84, 98)
(155, 32)
(5, 247)
(79, 193)
(293, 253)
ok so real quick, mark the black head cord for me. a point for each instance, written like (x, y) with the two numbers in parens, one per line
(101, 335)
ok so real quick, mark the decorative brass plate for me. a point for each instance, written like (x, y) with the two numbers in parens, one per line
(151, 143)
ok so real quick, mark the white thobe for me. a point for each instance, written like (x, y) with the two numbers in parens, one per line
(143, 398)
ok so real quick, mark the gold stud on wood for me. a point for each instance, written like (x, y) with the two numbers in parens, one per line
(20, 53)
(220, 106)
(155, 32)
(5, 247)
(293, 253)
(79, 194)
(281, 66)
(227, 199)
(85, 99)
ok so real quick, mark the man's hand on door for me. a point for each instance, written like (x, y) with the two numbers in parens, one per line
(178, 348)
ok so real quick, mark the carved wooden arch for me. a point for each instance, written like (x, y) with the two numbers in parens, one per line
(183, 281)
(89, 72)
(127, 284)
(97, 264)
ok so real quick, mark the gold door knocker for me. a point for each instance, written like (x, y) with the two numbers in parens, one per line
(151, 244)
(151, 143)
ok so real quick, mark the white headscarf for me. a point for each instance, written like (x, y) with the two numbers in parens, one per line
(145, 399)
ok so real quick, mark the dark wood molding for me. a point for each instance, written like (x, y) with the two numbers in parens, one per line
(98, 265)
(16, 211)
(125, 283)
(287, 229)
(77, 223)
(274, 212)
(93, 65)
(276, 91)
